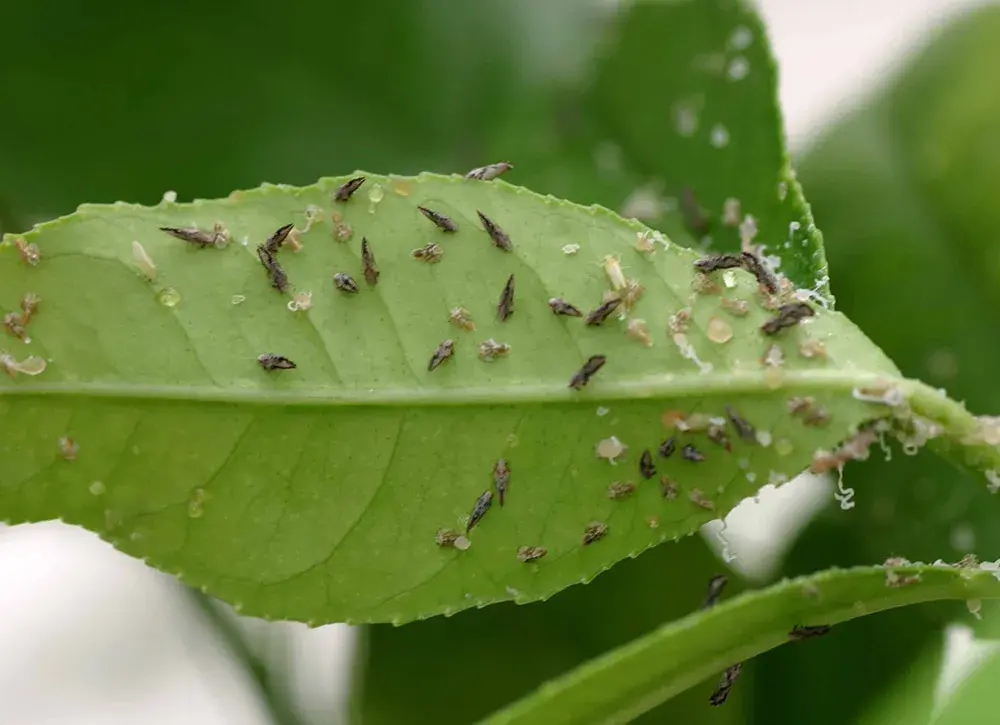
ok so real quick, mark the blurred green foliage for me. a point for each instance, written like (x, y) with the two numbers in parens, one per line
(106, 101)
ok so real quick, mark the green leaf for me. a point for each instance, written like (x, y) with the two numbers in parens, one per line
(799, 679)
(459, 669)
(632, 679)
(681, 95)
(315, 493)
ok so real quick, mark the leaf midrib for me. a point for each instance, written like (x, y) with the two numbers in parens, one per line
(660, 386)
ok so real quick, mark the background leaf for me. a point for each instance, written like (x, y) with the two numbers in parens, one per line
(653, 117)
(628, 681)
(294, 495)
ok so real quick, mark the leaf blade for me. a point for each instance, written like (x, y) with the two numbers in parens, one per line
(298, 493)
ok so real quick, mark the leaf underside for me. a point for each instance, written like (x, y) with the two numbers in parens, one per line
(315, 493)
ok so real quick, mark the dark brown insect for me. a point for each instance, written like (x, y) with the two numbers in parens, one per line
(444, 351)
(752, 264)
(729, 676)
(279, 280)
(694, 213)
(598, 315)
(803, 631)
(345, 190)
(531, 553)
(501, 478)
(194, 235)
(668, 447)
(561, 307)
(646, 465)
(668, 487)
(483, 504)
(717, 434)
(368, 262)
(345, 283)
(595, 531)
(585, 373)
(270, 361)
(715, 586)
(743, 429)
(489, 172)
(442, 222)
(274, 242)
(505, 308)
(788, 315)
(498, 235)
(690, 453)
(621, 489)
(718, 261)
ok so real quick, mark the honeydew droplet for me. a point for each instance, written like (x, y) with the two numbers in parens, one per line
(170, 196)
(375, 195)
(97, 488)
(238, 299)
(169, 297)
(31, 365)
(783, 447)
(402, 186)
(718, 330)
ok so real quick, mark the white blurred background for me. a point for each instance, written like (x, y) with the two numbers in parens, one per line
(91, 636)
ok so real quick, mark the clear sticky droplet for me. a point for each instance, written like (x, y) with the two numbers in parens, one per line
(729, 278)
(31, 365)
(97, 488)
(237, 299)
(169, 297)
(610, 449)
(718, 330)
(402, 186)
(783, 447)
(764, 437)
(375, 195)
(170, 197)
(570, 248)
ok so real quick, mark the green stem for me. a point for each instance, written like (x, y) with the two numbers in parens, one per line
(626, 682)
(280, 710)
